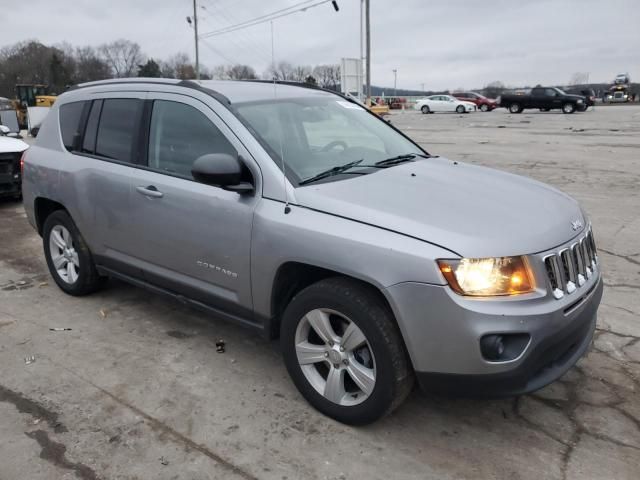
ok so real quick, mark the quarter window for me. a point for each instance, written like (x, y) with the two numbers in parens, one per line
(70, 116)
(118, 128)
(179, 135)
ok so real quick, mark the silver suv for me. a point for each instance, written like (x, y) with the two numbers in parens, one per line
(298, 213)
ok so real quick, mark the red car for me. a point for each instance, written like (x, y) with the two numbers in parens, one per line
(483, 103)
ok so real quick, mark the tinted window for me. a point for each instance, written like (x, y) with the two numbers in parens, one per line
(118, 127)
(70, 116)
(89, 141)
(180, 134)
(550, 92)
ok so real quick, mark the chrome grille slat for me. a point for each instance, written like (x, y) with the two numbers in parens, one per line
(569, 268)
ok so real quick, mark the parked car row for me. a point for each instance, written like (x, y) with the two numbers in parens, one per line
(543, 98)
(459, 102)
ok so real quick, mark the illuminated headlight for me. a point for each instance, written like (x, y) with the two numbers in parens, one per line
(485, 277)
(580, 101)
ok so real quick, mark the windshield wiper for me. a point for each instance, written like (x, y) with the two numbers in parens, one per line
(331, 172)
(407, 157)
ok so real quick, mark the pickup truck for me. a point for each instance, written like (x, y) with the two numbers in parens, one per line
(543, 98)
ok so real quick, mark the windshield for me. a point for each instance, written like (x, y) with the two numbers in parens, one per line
(314, 135)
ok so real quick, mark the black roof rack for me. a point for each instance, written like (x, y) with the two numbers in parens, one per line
(182, 83)
(304, 85)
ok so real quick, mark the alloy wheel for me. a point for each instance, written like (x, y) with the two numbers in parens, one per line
(335, 357)
(63, 254)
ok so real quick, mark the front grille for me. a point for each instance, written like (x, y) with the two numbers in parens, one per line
(570, 268)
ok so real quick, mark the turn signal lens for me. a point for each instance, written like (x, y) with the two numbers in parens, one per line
(485, 277)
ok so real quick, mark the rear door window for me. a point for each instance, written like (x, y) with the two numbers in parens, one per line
(118, 129)
(91, 131)
(70, 117)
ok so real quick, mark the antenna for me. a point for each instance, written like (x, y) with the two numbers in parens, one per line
(287, 208)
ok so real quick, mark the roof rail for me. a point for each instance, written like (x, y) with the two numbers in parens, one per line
(305, 85)
(156, 81)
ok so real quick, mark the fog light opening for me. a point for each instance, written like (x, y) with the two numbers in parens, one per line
(503, 347)
(492, 347)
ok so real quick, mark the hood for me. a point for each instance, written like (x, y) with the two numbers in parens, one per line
(470, 210)
(469, 104)
(573, 96)
(12, 145)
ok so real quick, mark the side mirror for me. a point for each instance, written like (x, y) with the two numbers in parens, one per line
(221, 170)
(4, 130)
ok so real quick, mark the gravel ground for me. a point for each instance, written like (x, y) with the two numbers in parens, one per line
(136, 389)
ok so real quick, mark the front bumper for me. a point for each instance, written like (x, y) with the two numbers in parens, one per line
(442, 332)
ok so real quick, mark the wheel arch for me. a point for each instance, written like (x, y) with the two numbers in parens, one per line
(43, 207)
(292, 277)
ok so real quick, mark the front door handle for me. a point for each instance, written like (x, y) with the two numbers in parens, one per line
(150, 191)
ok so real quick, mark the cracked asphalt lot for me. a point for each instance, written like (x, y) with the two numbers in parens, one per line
(136, 390)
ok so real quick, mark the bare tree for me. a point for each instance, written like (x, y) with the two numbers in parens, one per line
(89, 65)
(178, 66)
(301, 72)
(579, 78)
(122, 56)
(494, 89)
(282, 71)
(328, 76)
(240, 72)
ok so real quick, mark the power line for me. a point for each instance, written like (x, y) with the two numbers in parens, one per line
(264, 18)
(246, 44)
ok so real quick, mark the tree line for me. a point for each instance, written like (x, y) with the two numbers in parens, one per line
(62, 65)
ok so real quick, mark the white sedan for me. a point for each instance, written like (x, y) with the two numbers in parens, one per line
(444, 103)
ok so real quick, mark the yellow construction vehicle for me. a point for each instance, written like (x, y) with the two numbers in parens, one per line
(31, 95)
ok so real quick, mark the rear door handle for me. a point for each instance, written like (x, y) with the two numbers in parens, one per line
(150, 191)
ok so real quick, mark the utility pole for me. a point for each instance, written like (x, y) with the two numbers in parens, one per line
(368, 42)
(360, 79)
(422, 87)
(195, 29)
(395, 82)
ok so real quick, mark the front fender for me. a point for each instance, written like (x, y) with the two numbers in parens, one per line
(372, 254)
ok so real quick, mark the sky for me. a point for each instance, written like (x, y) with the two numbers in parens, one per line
(443, 44)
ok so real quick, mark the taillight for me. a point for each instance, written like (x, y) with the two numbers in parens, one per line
(22, 158)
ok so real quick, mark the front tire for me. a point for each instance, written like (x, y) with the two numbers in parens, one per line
(425, 109)
(568, 108)
(460, 109)
(68, 257)
(484, 107)
(344, 351)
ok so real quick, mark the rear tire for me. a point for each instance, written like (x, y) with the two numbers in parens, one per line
(484, 107)
(341, 305)
(425, 109)
(68, 257)
(515, 108)
(568, 108)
